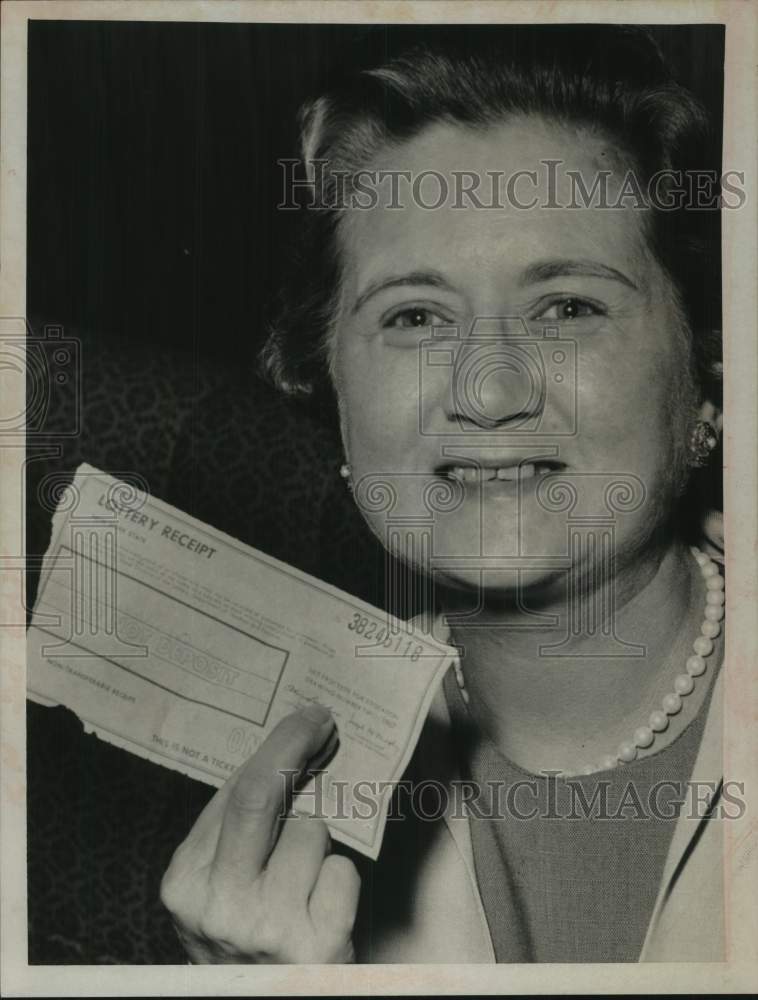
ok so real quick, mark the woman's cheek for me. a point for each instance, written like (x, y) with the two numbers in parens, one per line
(628, 424)
(381, 402)
(616, 388)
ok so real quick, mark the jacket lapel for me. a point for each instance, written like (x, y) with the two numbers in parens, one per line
(687, 920)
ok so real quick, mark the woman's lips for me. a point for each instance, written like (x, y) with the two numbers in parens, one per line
(502, 473)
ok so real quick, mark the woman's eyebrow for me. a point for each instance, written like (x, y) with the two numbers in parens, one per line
(544, 270)
(539, 271)
(431, 278)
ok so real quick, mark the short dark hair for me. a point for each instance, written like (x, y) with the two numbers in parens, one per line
(610, 79)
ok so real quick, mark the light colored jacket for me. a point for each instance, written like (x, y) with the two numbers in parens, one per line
(426, 905)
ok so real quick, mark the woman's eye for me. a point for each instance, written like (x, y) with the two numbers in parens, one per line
(414, 318)
(568, 309)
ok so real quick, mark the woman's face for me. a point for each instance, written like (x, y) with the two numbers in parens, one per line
(499, 369)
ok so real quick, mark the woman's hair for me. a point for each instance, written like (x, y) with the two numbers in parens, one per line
(609, 80)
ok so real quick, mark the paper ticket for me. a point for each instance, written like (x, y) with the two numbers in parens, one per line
(173, 640)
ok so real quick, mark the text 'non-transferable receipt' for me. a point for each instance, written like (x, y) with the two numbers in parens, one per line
(174, 641)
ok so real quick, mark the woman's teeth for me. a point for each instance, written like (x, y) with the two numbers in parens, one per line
(509, 473)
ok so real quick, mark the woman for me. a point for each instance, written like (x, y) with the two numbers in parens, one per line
(527, 324)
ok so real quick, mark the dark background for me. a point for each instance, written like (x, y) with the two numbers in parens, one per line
(152, 174)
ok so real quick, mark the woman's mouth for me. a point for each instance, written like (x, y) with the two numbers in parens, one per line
(513, 473)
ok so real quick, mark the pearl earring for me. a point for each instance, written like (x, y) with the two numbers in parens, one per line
(346, 473)
(703, 439)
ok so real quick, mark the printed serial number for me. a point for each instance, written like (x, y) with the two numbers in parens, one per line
(399, 644)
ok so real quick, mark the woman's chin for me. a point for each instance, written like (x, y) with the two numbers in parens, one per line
(530, 584)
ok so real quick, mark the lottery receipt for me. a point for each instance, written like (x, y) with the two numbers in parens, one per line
(174, 641)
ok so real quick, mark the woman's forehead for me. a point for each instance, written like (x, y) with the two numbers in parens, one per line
(511, 144)
(498, 198)
(496, 250)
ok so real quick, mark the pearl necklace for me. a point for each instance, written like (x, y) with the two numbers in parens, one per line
(684, 683)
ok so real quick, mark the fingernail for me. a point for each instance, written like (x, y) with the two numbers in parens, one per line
(326, 753)
(316, 713)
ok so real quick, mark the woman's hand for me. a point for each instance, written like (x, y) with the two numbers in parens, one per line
(248, 885)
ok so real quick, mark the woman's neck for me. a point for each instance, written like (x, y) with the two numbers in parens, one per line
(566, 707)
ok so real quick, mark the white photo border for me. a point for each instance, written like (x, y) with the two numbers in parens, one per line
(740, 305)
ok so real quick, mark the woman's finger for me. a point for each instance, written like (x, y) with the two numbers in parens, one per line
(334, 900)
(295, 862)
(260, 796)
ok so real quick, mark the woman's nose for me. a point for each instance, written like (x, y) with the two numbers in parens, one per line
(496, 383)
